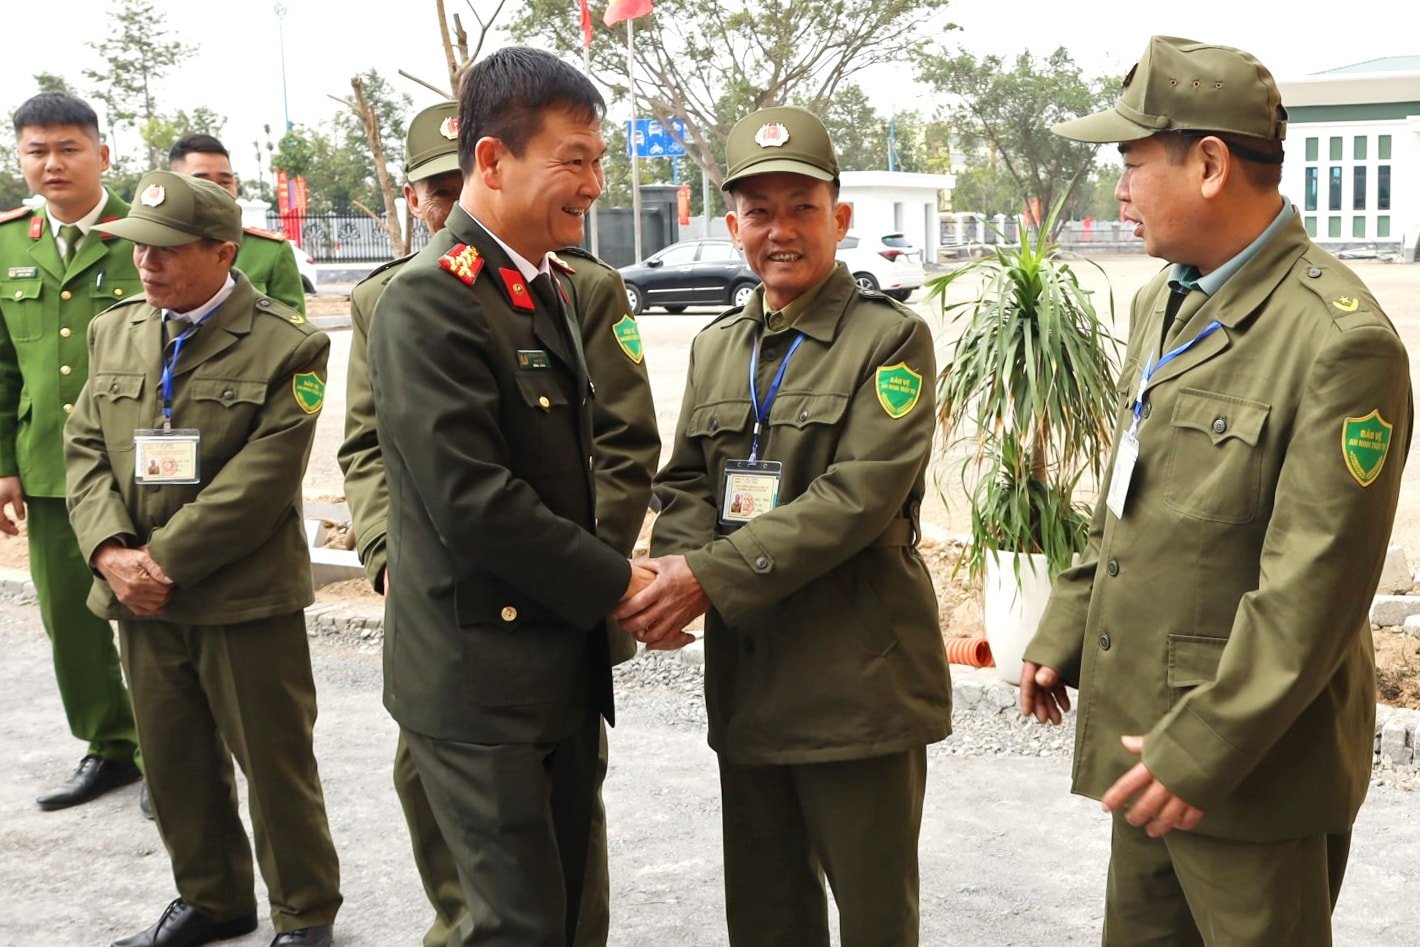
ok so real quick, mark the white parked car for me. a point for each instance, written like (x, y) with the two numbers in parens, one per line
(306, 264)
(889, 263)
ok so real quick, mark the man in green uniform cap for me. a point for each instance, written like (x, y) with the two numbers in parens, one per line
(1217, 625)
(790, 510)
(623, 427)
(267, 259)
(57, 271)
(499, 579)
(185, 454)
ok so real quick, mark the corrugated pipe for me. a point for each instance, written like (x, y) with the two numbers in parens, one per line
(973, 652)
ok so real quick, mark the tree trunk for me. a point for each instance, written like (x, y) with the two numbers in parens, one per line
(399, 242)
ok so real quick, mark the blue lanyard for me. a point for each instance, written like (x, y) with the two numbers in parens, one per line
(761, 412)
(1163, 360)
(170, 367)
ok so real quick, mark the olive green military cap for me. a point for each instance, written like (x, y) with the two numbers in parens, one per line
(1182, 85)
(173, 209)
(432, 145)
(782, 138)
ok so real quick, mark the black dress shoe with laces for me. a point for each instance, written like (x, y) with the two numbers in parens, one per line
(182, 925)
(94, 777)
(322, 936)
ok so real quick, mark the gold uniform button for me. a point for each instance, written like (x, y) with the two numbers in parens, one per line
(66, 295)
(118, 291)
(65, 332)
(68, 409)
(544, 403)
(510, 613)
(65, 369)
(19, 294)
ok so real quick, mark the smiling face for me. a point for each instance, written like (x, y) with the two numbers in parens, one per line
(1161, 196)
(64, 164)
(538, 200)
(789, 226)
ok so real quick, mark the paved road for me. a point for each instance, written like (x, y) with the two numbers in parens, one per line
(1008, 856)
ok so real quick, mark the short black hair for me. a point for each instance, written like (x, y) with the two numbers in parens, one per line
(49, 109)
(504, 96)
(199, 144)
(1261, 158)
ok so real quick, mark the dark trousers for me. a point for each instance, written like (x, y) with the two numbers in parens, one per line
(86, 665)
(203, 694)
(517, 819)
(856, 822)
(1189, 890)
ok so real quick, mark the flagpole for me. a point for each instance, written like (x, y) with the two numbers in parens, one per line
(596, 234)
(635, 160)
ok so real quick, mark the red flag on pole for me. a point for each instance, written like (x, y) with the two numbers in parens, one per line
(586, 25)
(619, 10)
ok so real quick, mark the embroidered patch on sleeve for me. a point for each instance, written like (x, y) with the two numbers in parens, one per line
(899, 387)
(1365, 442)
(309, 391)
(628, 336)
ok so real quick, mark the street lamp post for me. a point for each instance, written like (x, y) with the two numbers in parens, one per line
(280, 10)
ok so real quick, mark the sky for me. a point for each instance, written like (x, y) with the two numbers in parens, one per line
(238, 71)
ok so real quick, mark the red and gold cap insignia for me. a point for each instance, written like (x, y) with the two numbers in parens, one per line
(153, 195)
(449, 128)
(463, 261)
(517, 289)
(772, 135)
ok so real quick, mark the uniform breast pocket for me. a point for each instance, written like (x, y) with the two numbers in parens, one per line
(119, 398)
(722, 431)
(111, 292)
(1215, 456)
(224, 410)
(22, 308)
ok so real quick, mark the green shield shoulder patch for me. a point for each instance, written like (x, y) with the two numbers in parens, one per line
(309, 391)
(628, 336)
(1365, 442)
(899, 387)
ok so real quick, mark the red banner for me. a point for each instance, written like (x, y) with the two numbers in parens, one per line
(291, 202)
(586, 25)
(682, 204)
(619, 10)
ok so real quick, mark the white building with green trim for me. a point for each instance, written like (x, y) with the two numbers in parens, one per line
(1353, 154)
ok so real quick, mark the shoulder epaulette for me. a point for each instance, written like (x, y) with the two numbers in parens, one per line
(584, 254)
(463, 261)
(386, 266)
(275, 307)
(561, 264)
(1337, 290)
(15, 214)
(267, 234)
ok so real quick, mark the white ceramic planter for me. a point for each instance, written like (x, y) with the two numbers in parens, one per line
(1012, 607)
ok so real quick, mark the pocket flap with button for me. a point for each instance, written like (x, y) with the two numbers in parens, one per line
(707, 420)
(115, 291)
(541, 389)
(1220, 416)
(1193, 659)
(802, 408)
(228, 391)
(116, 386)
(20, 289)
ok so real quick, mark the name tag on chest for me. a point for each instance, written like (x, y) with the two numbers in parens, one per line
(166, 458)
(751, 489)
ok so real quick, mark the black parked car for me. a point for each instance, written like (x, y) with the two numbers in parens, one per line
(690, 273)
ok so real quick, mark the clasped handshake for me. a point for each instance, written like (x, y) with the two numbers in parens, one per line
(663, 597)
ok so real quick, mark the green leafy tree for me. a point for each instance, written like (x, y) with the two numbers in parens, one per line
(160, 131)
(1005, 110)
(711, 63)
(137, 52)
(53, 82)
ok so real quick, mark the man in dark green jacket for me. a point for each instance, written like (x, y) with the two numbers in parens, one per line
(58, 270)
(1217, 625)
(790, 509)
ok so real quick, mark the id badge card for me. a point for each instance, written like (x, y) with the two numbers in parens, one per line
(163, 458)
(751, 488)
(1124, 461)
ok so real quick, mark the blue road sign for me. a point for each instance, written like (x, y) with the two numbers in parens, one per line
(652, 139)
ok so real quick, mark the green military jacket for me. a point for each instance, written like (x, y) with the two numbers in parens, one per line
(623, 417)
(1225, 617)
(498, 583)
(46, 309)
(268, 261)
(823, 641)
(251, 381)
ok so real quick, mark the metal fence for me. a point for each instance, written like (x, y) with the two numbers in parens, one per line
(348, 238)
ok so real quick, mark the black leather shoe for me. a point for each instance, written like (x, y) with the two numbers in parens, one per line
(94, 777)
(182, 925)
(145, 802)
(322, 936)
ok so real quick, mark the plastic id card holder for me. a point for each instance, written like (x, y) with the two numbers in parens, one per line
(751, 488)
(163, 458)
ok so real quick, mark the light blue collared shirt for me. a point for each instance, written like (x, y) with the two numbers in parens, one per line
(1185, 275)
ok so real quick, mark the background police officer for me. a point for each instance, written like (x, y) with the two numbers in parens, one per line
(1218, 625)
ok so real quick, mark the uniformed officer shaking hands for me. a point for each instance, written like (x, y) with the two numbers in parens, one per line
(185, 454)
(789, 507)
(1217, 625)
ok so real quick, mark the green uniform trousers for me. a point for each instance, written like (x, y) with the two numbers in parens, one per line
(1188, 890)
(517, 821)
(85, 659)
(203, 694)
(786, 827)
(440, 875)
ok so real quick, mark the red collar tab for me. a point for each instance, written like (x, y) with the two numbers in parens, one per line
(562, 291)
(517, 288)
(463, 261)
(36, 227)
(104, 234)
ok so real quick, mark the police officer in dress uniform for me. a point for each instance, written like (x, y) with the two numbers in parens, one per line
(1217, 625)
(789, 509)
(57, 271)
(497, 662)
(628, 446)
(266, 258)
(185, 454)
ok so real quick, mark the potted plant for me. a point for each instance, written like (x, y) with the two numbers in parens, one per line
(1029, 392)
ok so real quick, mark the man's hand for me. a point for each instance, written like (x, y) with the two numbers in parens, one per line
(1043, 694)
(12, 494)
(658, 614)
(1156, 807)
(135, 577)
